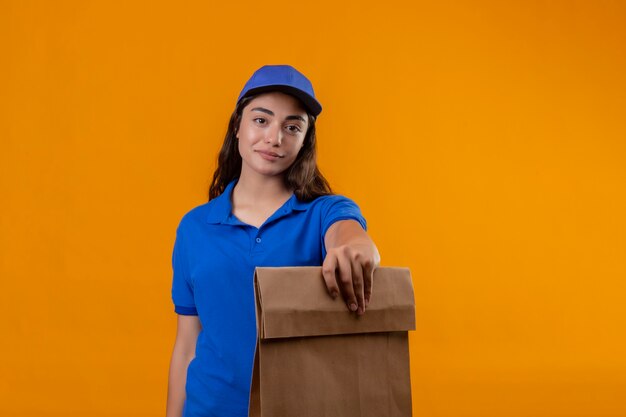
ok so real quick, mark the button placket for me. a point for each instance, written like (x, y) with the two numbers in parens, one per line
(257, 239)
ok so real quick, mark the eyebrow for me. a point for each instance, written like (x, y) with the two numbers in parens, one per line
(271, 113)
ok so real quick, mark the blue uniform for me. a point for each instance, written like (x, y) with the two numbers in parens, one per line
(214, 258)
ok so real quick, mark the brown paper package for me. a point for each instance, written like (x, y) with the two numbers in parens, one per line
(316, 359)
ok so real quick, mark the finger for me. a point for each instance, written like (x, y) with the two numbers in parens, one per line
(368, 281)
(357, 284)
(329, 268)
(345, 282)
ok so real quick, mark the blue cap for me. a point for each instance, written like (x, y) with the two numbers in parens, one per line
(283, 78)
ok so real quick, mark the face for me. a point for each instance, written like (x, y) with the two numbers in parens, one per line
(271, 133)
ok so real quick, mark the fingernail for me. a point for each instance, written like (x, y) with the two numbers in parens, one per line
(366, 302)
(353, 307)
(333, 294)
(360, 311)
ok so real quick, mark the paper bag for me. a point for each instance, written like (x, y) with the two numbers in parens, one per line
(314, 358)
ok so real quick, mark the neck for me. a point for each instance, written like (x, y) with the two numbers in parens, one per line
(253, 189)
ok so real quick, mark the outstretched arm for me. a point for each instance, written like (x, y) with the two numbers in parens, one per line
(349, 264)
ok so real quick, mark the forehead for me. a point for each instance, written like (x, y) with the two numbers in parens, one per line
(277, 102)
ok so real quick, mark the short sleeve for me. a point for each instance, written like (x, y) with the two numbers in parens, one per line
(338, 208)
(182, 288)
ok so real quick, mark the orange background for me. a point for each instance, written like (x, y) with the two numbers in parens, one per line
(485, 142)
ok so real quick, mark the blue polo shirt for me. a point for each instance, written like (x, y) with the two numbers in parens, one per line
(213, 260)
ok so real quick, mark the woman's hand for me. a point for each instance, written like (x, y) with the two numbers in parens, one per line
(349, 264)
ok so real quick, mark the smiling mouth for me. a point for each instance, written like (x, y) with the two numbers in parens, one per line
(274, 154)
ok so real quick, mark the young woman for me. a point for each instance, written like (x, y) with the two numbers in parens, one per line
(269, 206)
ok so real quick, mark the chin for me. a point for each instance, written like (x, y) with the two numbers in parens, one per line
(270, 172)
(268, 169)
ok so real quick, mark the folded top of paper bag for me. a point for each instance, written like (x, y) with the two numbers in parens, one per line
(294, 302)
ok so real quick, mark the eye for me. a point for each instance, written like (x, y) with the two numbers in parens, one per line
(294, 129)
(259, 120)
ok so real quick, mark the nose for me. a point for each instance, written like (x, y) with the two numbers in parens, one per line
(274, 136)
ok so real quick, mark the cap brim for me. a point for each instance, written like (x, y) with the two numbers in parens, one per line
(312, 105)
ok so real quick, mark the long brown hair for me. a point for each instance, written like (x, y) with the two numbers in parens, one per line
(303, 176)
